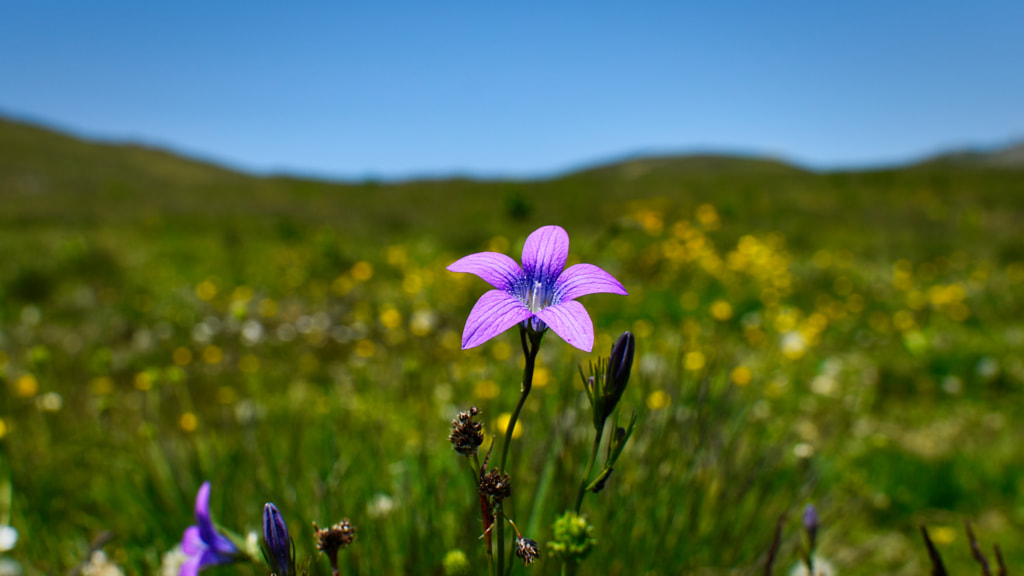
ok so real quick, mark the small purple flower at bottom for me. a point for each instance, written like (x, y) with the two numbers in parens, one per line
(543, 291)
(810, 518)
(203, 545)
(811, 522)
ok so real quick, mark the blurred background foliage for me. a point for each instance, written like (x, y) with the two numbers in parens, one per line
(849, 338)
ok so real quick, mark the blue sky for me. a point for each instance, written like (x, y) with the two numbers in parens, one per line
(400, 89)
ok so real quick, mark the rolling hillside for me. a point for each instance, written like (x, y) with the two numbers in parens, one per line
(967, 201)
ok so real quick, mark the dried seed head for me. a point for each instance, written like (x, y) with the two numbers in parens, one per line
(331, 540)
(466, 435)
(495, 485)
(527, 550)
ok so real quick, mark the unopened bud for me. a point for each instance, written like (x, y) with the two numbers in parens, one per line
(620, 364)
(277, 545)
(603, 479)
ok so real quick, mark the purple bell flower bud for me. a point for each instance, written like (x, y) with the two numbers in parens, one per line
(620, 364)
(811, 522)
(277, 545)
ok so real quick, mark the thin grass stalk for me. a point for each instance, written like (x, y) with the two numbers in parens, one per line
(976, 550)
(546, 479)
(590, 468)
(938, 568)
(773, 551)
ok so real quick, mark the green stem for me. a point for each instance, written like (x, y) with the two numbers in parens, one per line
(590, 468)
(472, 471)
(490, 562)
(531, 344)
(530, 352)
(511, 552)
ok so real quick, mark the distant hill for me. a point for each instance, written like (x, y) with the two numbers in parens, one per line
(28, 151)
(669, 165)
(1011, 157)
(35, 159)
(51, 181)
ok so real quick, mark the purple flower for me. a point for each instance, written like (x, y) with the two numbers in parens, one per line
(202, 543)
(542, 290)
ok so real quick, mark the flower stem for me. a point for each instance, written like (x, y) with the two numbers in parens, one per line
(490, 563)
(472, 470)
(590, 468)
(531, 344)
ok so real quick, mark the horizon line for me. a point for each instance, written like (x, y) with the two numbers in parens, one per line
(642, 153)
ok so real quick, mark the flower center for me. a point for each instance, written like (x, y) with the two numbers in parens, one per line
(537, 297)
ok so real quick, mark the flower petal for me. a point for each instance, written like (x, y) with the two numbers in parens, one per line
(211, 558)
(203, 521)
(222, 546)
(191, 542)
(545, 253)
(190, 567)
(582, 279)
(495, 312)
(570, 321)
(207, 531)
(496, 269)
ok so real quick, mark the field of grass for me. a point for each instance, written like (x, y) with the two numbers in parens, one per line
(849, 339)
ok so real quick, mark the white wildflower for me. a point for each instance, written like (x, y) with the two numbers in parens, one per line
(172, 561)
(9, 567)
(8, 538)
(100, 565)
(380, 506)
(822, 567)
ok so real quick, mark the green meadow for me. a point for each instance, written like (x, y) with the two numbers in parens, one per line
(852, 339)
